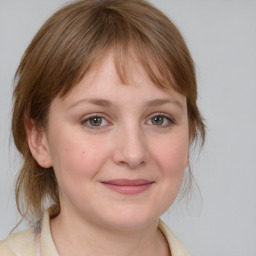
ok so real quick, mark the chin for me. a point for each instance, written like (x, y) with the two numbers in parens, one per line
(130, 219)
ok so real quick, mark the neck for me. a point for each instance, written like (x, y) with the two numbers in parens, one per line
(74, 236)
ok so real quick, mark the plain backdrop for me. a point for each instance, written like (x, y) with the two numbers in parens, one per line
(221, 35)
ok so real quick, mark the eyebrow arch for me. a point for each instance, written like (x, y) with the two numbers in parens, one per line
(106, 103)
(94, 101)
(159, 102)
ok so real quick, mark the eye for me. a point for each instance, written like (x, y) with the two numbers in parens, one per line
(160, 120)
(95, 122)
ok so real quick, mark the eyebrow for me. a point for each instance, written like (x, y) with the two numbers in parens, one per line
(107, 103)
(94, 101)
(159, 102)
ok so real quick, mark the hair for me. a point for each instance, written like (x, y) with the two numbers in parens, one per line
(67, 46)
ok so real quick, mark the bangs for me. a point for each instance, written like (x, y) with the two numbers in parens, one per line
(140, 52)
(78, 37)
(127, 44)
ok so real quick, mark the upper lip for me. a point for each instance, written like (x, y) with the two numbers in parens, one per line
(128, 182)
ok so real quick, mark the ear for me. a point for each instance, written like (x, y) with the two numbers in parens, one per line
(38, 144)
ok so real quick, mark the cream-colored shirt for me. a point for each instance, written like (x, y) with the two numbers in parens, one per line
(27, 243)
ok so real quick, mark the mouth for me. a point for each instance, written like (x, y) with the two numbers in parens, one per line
(126, 186)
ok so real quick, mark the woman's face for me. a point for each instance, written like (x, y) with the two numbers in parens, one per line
(118, 151)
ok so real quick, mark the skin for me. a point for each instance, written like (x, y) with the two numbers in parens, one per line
(142, 132)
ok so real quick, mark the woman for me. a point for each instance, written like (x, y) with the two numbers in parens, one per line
(104, 115)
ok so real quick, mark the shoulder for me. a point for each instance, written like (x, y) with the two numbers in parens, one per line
(20, 243)
(176, 246)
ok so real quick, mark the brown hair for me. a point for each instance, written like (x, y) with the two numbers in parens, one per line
(70, 42)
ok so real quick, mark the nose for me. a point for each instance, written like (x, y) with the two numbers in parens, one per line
(130, 148)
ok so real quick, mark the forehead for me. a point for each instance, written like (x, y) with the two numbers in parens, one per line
(103, 82)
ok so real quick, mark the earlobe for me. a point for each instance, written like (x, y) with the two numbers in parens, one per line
(38, 144)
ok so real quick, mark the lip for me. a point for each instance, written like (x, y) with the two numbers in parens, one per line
(127, 186)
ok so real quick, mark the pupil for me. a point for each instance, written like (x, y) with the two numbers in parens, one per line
(158, 120)
(95, 121)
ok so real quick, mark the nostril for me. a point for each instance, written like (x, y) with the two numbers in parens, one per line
(131, 149)
(133, 164)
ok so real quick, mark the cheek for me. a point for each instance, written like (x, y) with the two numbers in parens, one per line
(80, 158)
(172, 155)
(76, 163)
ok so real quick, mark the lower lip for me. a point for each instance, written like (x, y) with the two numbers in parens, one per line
(128, 189)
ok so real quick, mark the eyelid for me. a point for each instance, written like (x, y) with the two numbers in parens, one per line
(167, 116)
(171, 120)
(85, 118)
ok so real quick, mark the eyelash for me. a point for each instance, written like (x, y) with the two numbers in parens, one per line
(167, 118)
(85, 121)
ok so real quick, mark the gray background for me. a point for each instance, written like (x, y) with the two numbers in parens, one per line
(221, 35)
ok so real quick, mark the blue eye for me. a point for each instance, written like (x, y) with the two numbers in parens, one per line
(160, 120)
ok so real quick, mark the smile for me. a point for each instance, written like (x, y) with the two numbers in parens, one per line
(125, 186)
